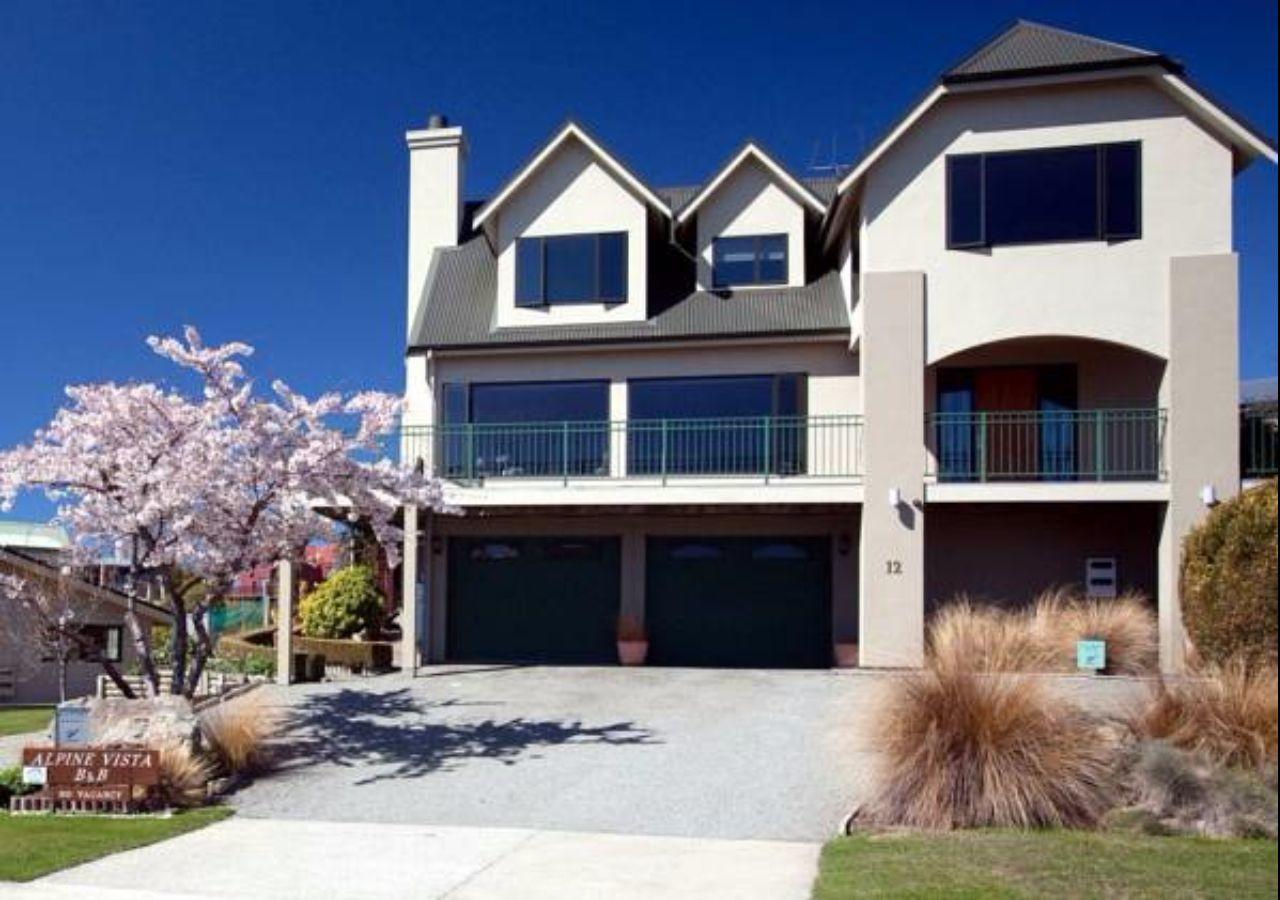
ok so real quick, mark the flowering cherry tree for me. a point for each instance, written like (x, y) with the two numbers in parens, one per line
(196, 488)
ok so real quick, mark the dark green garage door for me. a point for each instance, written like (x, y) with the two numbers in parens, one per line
(535, 600)
(750, 602)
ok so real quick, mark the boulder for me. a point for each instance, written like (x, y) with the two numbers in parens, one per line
(153, 721)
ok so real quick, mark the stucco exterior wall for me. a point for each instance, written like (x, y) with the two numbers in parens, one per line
(572, 194)
(1009, 552)
(1110, 291)
(750, 202)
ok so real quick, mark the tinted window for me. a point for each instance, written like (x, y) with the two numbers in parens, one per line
(1036, 196)
(1047, 195)
(546, 401)
(577, 268)
(754, 259)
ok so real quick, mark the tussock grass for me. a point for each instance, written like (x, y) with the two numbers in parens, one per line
(184, 777)
(237, 733)
(962, 749)
(1226, 713)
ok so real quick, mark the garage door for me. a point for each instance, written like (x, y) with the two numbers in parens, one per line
(743, 602)
(535, 600)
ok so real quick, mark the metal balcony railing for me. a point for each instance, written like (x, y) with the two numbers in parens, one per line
(764, 447)
(1059, 445)
(1259, 428)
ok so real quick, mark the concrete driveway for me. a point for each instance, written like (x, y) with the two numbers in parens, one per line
(697, 753)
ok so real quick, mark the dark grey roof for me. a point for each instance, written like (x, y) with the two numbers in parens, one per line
(1031, 48)
(461, 290)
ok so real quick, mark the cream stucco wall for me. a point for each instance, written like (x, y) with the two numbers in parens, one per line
(572, 193)
(751, 202)
(1115, 292)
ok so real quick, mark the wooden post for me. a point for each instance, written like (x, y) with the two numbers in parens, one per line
(284, 622)
(409, 652)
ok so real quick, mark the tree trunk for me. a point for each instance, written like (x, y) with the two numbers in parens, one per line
(178, 642)
(142, 646)
(119, 680)
(204, 649)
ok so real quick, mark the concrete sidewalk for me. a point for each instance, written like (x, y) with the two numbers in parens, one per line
(275, 859)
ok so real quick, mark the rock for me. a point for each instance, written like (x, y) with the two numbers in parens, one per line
(154, 721)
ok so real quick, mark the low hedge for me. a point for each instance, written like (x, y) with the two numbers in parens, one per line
(357, 655)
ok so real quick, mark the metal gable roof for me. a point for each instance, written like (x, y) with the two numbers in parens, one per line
(1029, 47)
(458, 311)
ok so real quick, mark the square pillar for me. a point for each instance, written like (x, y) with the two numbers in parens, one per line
(891, 567)
(633, 574)
(285, 582)
(1202, 441)
(409, 593)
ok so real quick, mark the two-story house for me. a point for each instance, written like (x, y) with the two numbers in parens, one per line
(770, 413)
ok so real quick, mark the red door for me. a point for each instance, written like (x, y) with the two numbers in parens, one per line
(1010, 398)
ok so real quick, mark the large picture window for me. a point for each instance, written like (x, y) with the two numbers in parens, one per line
(571, 268)
(1086, 193)
(527, 428)
(744, 261)
(717, 425)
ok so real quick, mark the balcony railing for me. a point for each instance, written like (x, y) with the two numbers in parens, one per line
(660, 449)
(1066, 445)
(1258, 442)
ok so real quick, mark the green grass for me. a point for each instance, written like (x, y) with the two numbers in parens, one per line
(35, 845)
(997, 864)
(21, 719)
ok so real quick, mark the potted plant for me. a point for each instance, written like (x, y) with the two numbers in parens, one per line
(633, 642)
(846, 654)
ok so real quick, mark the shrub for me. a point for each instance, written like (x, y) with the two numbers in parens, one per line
(184, 777)
(11, 785)
(1227, 713)
(1229, 579)
(1058, 620)
(237, 733)
(348, 602)
(964, 635)
(962, 749)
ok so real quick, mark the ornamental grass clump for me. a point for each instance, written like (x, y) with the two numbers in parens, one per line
(237, 734)
(962, 749)
(184, 776)
(966, 635)
(1059, 619)
(1226, 713)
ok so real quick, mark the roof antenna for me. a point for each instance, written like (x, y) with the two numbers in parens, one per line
(831, 165)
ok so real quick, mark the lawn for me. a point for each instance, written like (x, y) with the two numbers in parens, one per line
(1045, 864)
(35, 845)
(21, 719)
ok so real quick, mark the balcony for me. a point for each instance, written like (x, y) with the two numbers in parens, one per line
(1105, 445)
(1259, 429)
(657, 451)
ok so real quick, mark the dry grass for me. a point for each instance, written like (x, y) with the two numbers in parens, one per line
(1058, 619)
(962, 749)
(1043, 636)
(184, 776)
(237, 733)
(1226, 713)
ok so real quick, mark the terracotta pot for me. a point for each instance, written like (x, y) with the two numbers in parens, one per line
(632, 653)
(846, 654)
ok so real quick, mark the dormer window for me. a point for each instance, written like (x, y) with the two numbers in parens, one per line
(571, 268)
(756, 259)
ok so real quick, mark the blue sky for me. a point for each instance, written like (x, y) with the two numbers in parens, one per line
(241, 166)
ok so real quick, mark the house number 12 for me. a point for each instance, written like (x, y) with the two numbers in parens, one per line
(893, 567)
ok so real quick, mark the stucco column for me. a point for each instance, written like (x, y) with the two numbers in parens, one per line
(1201, 393)
(633, 562)
(409, 593)
(891, 570)
(618, 402)
(284, 621)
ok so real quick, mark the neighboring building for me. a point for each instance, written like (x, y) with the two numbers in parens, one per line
(1259, 429)
(29, 675)
(772, 412)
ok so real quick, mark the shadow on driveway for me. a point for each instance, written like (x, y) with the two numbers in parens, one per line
(356, 728)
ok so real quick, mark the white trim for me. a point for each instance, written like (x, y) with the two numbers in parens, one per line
(571, 130)
(781, 174)
(1238, 134)
(889, 140)
(1048, 492)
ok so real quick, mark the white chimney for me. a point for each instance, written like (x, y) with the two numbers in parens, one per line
(437, 155)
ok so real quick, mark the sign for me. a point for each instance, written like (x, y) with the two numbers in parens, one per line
(35, 775)
(71, 725)
(94, 767)
(111, 793)
(1091, 655)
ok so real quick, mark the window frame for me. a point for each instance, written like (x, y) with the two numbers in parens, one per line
(1101, 232)
(598, 298)
(757, 280)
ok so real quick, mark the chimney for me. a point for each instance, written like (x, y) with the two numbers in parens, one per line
(437, 155)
